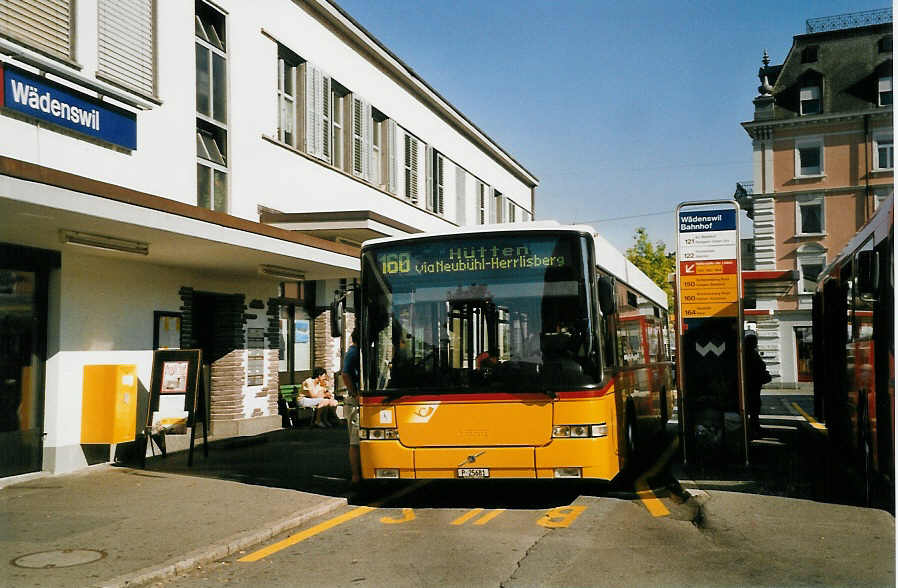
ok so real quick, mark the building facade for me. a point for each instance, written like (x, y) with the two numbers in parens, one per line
(823, 160)
(201, 175)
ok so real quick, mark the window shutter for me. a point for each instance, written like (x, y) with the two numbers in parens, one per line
(414, 169)
(490, 205)
(459, 195)
(358, 167)
(362, 155)
(43, 24)
(391, 156)
(125, 44)
(313, 121)
(439, 180)
(318, 94)
(429, 186)
(324, 118)
(411, 168)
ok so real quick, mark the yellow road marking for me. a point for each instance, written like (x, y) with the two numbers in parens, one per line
(646, 495)
(467, 516)
(310, 532)
(561, 516)
(408, 514)
(329, 524)
(811, 420)
(489, 516)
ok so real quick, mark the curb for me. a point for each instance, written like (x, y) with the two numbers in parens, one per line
(219, 550)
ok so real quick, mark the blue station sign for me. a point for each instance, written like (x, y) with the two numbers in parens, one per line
(54, 103)
(707, 220)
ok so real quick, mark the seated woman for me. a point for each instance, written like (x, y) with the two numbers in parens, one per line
(316, 395)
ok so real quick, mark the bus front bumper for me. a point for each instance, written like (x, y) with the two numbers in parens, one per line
(591, 458)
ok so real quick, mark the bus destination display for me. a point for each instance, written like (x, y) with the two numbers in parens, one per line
(492, 256)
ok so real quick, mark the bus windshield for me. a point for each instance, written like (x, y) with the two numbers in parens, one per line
(504, 312)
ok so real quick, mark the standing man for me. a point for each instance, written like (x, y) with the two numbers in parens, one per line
(756, 375)
(352, 379)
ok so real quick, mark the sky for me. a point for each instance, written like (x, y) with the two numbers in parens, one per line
(621, 109)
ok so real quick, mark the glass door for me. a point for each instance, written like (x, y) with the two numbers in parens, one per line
(21, 373)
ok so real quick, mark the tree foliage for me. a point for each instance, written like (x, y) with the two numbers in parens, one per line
(654, 260)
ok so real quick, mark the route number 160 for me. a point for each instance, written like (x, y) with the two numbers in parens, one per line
(396, 263)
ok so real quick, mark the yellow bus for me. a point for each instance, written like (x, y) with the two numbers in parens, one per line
(531, 351)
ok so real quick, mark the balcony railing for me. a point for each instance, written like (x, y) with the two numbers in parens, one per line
(851, 20)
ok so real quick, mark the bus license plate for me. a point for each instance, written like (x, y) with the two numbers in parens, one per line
(473, 472)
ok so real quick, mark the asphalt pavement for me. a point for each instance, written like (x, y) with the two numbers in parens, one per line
(120, 525)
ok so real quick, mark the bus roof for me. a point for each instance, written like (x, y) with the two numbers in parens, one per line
(608, 258)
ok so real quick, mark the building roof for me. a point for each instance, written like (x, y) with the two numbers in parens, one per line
(846, 63)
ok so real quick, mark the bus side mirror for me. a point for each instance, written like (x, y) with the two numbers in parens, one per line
(867, 274)
(338, 306)
(606, 295)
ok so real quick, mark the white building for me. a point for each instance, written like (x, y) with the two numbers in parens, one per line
(200, 176)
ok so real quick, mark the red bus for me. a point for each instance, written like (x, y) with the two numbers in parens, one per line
(854, 354)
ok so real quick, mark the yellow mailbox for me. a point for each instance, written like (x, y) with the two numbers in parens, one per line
(109, 404)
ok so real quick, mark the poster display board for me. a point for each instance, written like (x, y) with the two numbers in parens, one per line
(178, 398)
(709, 328)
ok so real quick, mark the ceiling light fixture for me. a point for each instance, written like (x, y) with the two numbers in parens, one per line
(103, 242)
(284, 273)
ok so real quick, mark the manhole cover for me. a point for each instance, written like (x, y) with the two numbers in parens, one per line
(58, 558)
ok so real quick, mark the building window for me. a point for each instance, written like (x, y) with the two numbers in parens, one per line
(211, 108)
(811, 258)
(338, 100)
(54, 36)
(880, 195)
(885, 91)
(435, 199)
(126, 47)
(377, 134)
(288, 66)
(809, 157)
(511, 212)
(809, 98)
(809, 215)
(809, 54)
(499, 206)
(883, 145)
(885, 44)
(483, 208)
(383, 151)
(411, 168)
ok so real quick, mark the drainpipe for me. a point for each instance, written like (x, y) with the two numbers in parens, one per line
(867, 207)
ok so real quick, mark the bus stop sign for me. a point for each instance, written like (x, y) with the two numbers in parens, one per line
(709, 329)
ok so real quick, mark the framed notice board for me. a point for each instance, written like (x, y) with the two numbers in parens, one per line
(177, 397)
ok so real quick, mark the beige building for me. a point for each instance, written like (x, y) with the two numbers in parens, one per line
(823, 161)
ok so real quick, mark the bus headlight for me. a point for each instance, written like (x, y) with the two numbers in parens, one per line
(379, 434)
(580, 431)
(561, 431)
